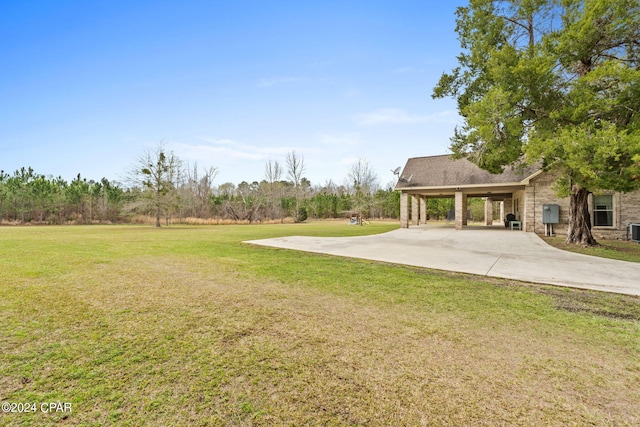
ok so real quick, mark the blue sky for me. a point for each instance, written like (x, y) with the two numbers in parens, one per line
(87, 86)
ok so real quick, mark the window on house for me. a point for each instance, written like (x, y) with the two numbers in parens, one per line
(603, 211)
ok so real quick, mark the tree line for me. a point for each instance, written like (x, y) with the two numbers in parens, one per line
(29, 197)
(161, 186)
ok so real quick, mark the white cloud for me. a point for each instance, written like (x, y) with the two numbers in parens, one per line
(398, 116)
(343, 139)
(221, 149)
(222, 142)
(207, 152)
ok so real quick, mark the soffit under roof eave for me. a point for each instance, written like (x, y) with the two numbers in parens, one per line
(464, 187)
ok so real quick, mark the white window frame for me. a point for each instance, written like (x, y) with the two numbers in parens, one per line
(604, 208)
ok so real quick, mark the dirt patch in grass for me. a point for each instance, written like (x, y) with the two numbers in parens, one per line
(612, 306)
(575, 300)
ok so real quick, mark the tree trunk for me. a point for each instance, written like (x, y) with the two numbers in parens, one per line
(579, 231)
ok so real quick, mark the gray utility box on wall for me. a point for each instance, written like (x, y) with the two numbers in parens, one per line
(550, 214)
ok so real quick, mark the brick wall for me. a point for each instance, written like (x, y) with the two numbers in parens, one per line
(540, 192)
(630, 207)
(626, 209)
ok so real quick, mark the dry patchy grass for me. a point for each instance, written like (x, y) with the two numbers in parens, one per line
(187, 326)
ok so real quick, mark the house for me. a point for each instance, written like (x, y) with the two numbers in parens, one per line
(524, 192)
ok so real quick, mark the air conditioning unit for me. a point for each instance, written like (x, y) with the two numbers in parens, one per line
(635, 232)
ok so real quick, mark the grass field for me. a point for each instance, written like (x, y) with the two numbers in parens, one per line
(137, 326)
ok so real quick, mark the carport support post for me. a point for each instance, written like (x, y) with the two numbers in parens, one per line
(414, 210)
(488, 211)
(404, 210)
(423, 209)
(461, 209)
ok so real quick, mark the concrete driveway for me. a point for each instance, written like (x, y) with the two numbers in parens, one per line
(485, 251)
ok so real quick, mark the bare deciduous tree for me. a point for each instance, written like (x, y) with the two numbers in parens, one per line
(365, 183)
(272, 172)
(363, 177)
(295, 169)
(198, 189)
(273, 176)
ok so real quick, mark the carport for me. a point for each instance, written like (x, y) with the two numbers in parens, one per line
(445, 177)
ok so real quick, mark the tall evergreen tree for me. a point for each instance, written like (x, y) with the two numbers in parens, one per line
(556, 82)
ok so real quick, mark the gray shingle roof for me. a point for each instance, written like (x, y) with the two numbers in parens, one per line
(444, 171)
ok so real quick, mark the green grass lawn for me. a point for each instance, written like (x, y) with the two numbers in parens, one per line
(137, 326)
(613, 249)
